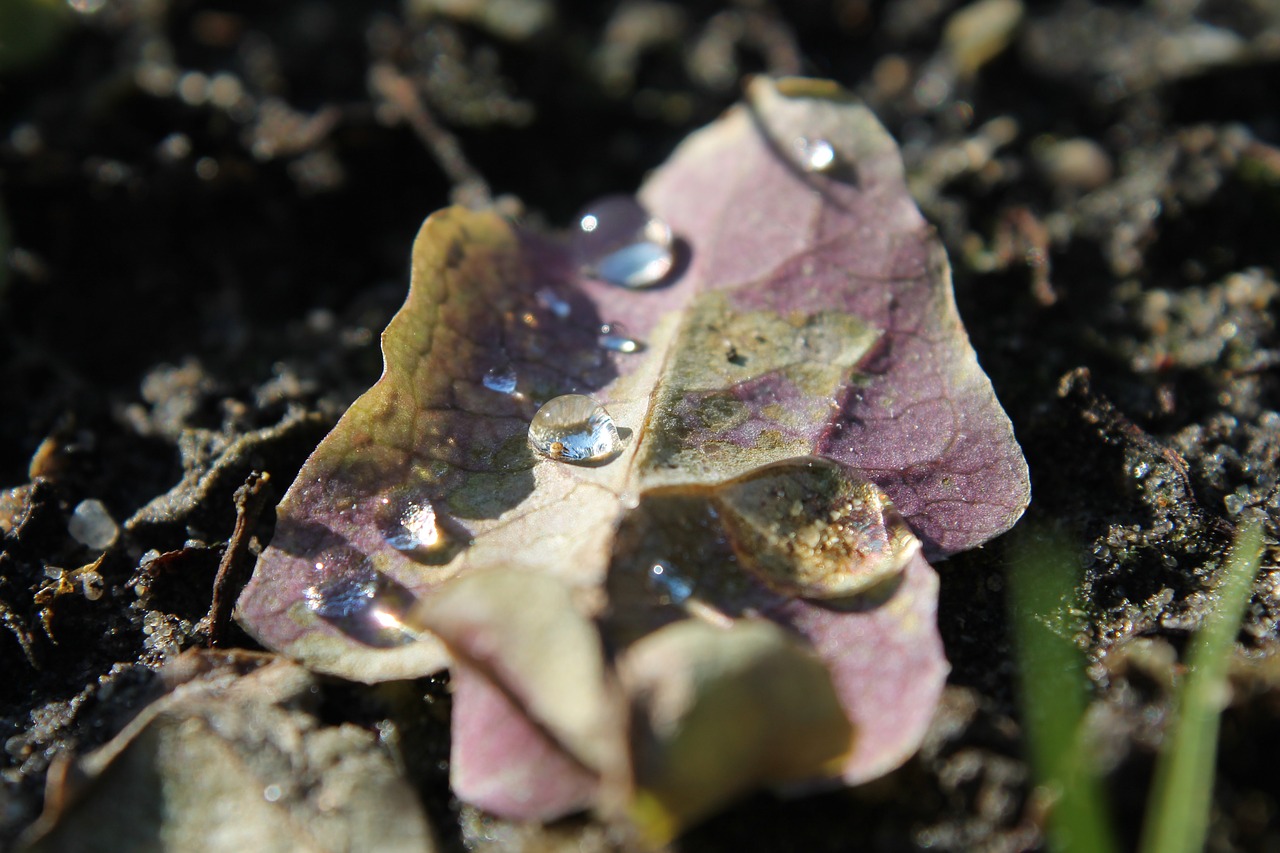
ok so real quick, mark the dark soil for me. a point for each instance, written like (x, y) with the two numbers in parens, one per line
(209, 211)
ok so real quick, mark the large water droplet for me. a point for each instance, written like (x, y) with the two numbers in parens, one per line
(812, 527)
(574, 428)
(815, 155)
(619, 242)
(359, 601)
(501, 379)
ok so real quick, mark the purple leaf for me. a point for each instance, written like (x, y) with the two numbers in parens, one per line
(718, 709)
(921, 420)
(888, 655)
(772, 383)
(504, 763)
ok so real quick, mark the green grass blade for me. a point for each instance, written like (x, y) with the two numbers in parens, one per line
(1042, 591)
(1178, 808)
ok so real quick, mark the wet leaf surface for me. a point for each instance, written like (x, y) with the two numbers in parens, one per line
(799, 371)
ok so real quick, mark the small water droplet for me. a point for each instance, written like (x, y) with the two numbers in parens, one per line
(554, 302)
(619, 242)
(612, 337)
(359, 601)
(501, 379)
(574, 428)
(418, 530)
(92, 525)
(815, 155)
(341, 597)
(674, 587)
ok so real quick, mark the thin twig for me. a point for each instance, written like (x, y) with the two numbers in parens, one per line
(398, 92)
(251, 499)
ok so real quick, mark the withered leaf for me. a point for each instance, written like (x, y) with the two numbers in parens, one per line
(805, 424)
(233, 760)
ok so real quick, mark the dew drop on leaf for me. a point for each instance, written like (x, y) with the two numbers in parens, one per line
(500, 379)
(554, 302)
(419, 530)
(360, 602)
(811, 527)
(618, 241)
(341, 599)
(614, 337)
(574, 428)
(672, 586)
(414, 525)
(815, 155)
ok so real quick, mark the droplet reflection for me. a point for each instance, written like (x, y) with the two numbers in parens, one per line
(574, 428)
(670, 585)
(619, 242)
(815, 155)
(614, 338)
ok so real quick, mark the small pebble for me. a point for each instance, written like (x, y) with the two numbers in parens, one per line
(1077, 163)
(92, 526)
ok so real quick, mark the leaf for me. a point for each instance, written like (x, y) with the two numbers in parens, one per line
(804, 372)
(921, 419)
(542, 722)
(1054, 689)
(887, 663)
(233, 761)
(747, 704)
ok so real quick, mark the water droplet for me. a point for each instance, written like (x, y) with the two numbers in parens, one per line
(554, 302)
(501, 379)
(812, 527)
(92, 525)
(619, 242)
(341, 597)
(421, 532)
(359, 601)
(418, 530)
(612, 337)
(674, 587)
(574, 428)
(816, 155)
